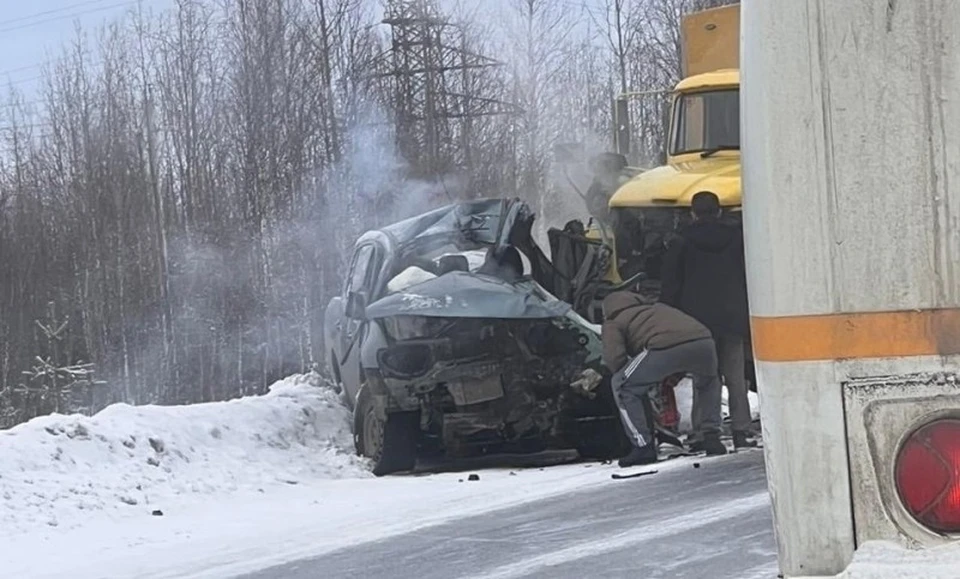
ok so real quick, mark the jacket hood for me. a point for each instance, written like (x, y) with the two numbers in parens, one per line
(711, 236)
(615, 303)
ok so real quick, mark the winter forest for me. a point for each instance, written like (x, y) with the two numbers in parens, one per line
(180, 199)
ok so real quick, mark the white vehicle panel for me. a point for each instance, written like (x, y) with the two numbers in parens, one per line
(850, 141)
(851, 166)
(805, 444)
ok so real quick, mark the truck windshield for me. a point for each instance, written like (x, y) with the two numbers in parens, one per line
(706, 121)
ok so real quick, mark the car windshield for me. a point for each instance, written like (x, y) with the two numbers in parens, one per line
(706, 122)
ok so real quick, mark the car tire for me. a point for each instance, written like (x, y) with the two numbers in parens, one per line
(603, 439)
(602, 443)
(391, 443)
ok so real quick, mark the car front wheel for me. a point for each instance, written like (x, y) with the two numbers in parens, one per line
(390, 443)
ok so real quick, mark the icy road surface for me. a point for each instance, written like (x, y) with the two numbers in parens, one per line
(676, 523)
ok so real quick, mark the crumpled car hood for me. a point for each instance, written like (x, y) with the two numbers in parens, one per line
(460, 294)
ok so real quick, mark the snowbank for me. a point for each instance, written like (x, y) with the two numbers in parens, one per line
(215, 490)
(59, 470)
(885, 560)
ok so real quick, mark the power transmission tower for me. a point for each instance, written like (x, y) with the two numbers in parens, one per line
(437, 96)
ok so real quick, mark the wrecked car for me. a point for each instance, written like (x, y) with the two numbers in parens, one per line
(443, 343)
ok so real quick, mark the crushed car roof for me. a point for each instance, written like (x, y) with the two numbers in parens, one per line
(484, 222)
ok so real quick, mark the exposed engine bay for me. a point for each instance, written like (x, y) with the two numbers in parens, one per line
(498, 384)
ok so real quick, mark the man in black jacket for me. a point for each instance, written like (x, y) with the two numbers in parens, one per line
(704, 275)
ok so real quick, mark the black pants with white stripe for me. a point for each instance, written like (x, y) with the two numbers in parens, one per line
(633, 383)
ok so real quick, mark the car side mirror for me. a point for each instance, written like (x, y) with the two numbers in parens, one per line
(356, 306)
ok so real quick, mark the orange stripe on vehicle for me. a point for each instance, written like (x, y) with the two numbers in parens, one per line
(856, 335)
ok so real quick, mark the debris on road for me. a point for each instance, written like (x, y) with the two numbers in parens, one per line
(618, 476)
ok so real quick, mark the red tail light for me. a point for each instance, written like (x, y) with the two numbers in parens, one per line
(928, 475)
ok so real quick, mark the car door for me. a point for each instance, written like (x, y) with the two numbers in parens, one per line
(360, 279)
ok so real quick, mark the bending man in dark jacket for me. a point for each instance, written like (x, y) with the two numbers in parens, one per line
(704, 276)
(645, 342)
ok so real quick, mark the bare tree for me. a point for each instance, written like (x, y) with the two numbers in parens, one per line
(177, 204)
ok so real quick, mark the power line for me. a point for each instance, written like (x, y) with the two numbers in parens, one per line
(23, 68)
(27, 67)
(93, 68)
(53, 19)
(26, 126)
(42, 124)
(5, 73)
(49, 12)
(23, 80)
(66, 16)
(14, 105)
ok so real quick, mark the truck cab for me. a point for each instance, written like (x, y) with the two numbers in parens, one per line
(702, 149)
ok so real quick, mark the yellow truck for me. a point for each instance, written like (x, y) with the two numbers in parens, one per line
(702, 151)
(637, 211)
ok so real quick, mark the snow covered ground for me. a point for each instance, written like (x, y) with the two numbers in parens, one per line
(215, 490)
(222, 488)
(59, 471)
(884, 560)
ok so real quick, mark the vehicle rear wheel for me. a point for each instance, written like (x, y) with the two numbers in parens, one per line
(390, 443)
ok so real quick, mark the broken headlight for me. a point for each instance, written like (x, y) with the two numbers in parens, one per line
(405, 360)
